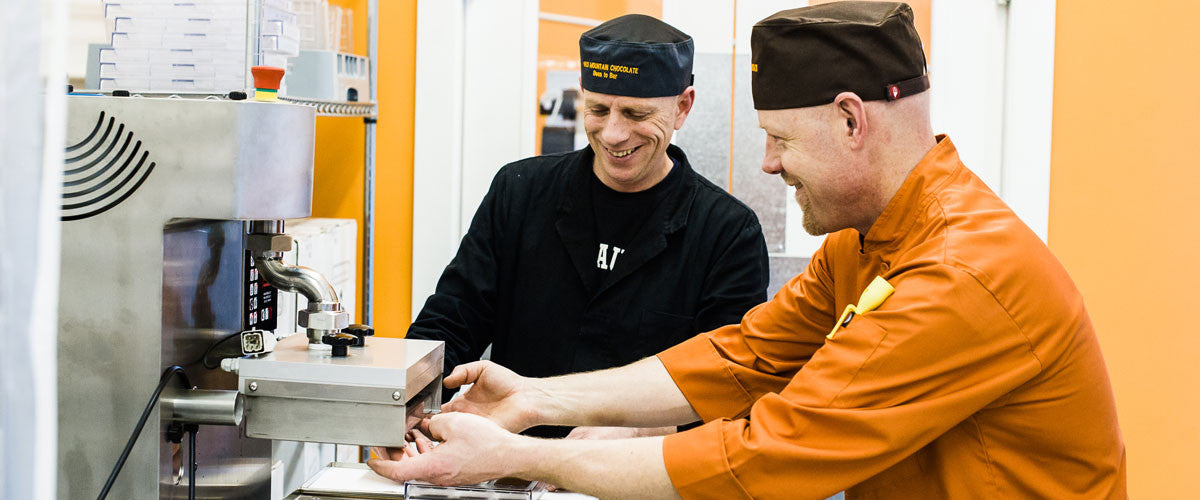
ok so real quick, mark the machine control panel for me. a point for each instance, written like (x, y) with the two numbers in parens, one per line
(260, 299)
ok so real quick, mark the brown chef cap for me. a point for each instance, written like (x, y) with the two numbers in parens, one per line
(807, 56)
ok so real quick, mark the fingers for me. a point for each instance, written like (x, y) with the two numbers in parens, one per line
(437, 426)
(423, 444)
(465, 374)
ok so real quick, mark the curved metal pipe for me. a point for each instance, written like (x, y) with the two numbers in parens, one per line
(298, 279)
(324, 313)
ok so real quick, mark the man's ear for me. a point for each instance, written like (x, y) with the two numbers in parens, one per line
(684, 105)
(852, 114)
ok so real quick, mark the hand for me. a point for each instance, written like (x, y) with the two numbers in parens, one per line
(498, 394)
(473, 449)
(416, 444)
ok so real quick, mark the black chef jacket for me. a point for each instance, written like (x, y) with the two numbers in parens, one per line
(524, 276)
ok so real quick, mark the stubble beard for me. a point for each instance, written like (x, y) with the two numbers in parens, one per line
(809, 219)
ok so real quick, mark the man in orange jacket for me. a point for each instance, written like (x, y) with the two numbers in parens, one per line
(934, 347)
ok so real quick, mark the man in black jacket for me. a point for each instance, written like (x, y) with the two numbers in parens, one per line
(600, 257)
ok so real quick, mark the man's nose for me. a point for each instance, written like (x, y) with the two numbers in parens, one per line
(771, 163)
(616, 130)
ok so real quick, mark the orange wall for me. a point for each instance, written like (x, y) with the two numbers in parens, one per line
(394, 168)
(1124, 176)
(601, 10)
(338, 177)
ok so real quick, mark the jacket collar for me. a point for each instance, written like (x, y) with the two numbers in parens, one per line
(934, 170)
(676, 209)
(576, 221)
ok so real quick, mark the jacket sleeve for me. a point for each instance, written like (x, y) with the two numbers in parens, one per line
(738, 363)
(737, 280)
(937, 351)
(461, 311)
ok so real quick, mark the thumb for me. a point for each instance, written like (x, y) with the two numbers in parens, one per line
(464, 374)
(410, 468)
(437, 427)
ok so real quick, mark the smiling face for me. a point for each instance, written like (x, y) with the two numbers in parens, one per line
(806, 147)
(630, 136)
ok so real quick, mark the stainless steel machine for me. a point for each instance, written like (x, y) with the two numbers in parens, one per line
(171, 242)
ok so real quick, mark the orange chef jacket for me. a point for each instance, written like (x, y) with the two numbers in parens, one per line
(979, 377)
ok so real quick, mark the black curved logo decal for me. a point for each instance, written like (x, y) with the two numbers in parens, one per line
(91, 184)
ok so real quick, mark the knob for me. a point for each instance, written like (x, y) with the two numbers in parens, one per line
(339, 342)
(361, 332)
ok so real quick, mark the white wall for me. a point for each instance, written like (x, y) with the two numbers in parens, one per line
(475, 111)
(992, 74)
(31, 137)
(1029, 105)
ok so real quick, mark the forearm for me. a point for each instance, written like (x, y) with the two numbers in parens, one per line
(641, 394)
(621, 468)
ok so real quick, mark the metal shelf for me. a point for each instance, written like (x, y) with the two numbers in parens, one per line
(335, 108)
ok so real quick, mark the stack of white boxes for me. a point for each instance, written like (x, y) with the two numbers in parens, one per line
(279, 37)
(324, 26)
(198, 46)
(325, 68)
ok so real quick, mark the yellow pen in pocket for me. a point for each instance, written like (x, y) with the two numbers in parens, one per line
(877, 292)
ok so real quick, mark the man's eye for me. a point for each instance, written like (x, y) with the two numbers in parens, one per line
(599, 111)
(637, 116)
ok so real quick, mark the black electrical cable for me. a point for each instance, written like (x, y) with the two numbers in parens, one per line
(137, 430)
(211, 348)
(192, 461)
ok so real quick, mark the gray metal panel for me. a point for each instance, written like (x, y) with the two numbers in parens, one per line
(213, 160)
(707, 141)
(328, 421)
(705, 135)
(372, 396)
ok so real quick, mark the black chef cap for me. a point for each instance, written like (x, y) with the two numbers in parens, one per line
(636, 56)
(806, 57)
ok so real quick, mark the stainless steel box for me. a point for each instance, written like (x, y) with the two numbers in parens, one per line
(372, 396)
